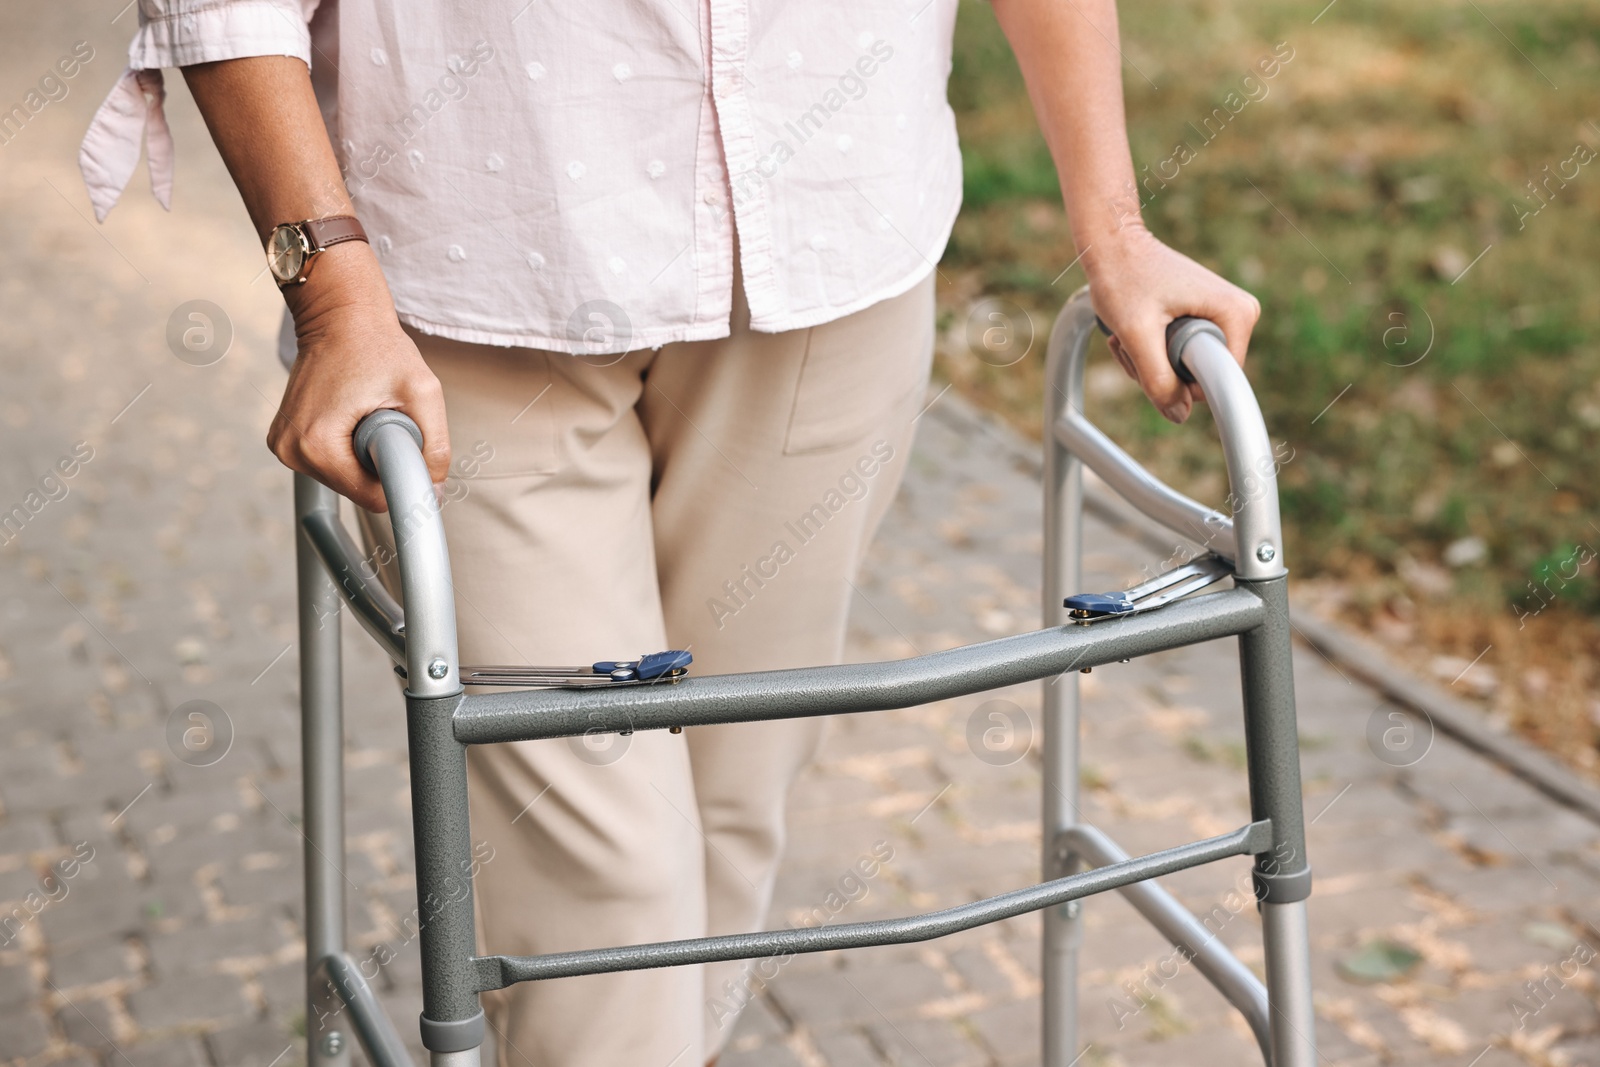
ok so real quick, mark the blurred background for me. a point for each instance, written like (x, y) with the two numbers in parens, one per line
(1411, 197)
(1413, 192)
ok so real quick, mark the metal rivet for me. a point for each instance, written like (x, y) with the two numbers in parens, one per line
(674, 729)
(333, 1043)
(1086, 670)
(1265, 552)
(438, 669)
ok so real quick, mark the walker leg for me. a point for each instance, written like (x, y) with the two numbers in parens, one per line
(452, 1019)
(1283, 876)
(1063, 551)
(1063, 928)
(1288, 952)
(1062, 924)
(1062, 933)
(322, 783)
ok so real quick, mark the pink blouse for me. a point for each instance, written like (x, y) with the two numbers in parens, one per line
(575, 174)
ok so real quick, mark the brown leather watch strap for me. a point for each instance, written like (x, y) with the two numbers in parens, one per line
(333, 230)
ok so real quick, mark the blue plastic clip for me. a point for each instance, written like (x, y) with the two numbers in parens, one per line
(645, 668)
(1088, 605)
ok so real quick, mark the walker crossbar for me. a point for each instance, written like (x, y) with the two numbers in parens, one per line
(525, 715)
(498, 972)
(357, 577)
(442, 720)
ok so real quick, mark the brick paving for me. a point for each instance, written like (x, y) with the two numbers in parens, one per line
(149, 909)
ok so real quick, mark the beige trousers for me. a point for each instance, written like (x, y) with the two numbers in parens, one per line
(716, 496)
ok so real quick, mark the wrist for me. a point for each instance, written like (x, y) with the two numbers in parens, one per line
(344, 278)
(1110, 247)
(1106, 221)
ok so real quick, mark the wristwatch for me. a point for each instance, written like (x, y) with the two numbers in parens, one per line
(292, 246)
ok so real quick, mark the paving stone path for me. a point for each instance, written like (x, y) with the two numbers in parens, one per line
(149, 910)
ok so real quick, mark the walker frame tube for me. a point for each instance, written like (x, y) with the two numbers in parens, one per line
(1280, 1012)
(442, 720)
(322, 777)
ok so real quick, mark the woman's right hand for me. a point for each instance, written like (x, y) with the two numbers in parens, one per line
(354, 359)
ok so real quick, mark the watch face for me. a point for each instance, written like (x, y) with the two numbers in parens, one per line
(286, 253)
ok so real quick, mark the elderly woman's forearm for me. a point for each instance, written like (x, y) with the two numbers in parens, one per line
(264, 118)
(1071, 58)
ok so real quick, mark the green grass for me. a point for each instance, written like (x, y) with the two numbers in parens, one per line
(1390, 151)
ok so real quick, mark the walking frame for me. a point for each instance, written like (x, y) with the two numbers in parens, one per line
(1079, 632)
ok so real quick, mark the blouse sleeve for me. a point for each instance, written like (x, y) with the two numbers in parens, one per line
(177, 33)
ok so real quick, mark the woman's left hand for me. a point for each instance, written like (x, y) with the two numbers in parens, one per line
(1139, 286)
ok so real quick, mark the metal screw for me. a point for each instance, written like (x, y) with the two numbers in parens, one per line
(438, 669)
(1265, 552)
(333, 1043)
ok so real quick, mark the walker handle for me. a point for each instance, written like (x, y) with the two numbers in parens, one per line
(369, 426)
(1251, 538)
(421, 556)
(1180, 332)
